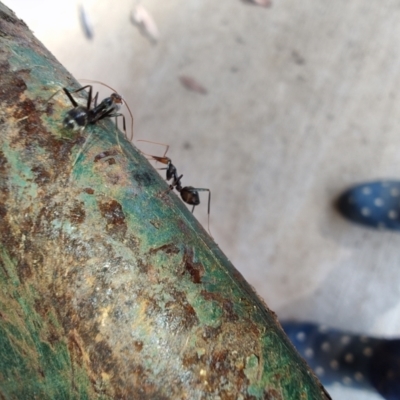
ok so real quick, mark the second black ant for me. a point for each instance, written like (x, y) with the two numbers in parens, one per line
(189, 194)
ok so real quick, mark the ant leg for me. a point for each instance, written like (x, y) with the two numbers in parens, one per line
(131, 136)
(110, 114)
(116, 134)
(81, 150)
(209, 205)
(69, 94)
(170, 189)
(175, 184)
(71, 99)
(95, 100)
(89, 101)
(123, 125)
(83, 147)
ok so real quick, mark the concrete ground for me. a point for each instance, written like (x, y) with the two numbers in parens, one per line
(303, 101)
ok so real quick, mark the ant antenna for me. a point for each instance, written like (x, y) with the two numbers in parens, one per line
(54, 94)
(160, 144)
(126, 104)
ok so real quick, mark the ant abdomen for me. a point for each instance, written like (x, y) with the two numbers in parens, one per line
(76, 119)
(190, 195)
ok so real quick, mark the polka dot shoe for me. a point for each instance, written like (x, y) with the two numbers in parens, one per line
(358, 361)
(375, 204)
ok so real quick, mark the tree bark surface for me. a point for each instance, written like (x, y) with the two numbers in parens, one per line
(109, 288)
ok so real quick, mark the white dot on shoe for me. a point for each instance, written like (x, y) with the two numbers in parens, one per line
(366, 190)
(365, 211)
(346, 380)
(358, 376)
(349, 358)
(392, 214)
(378, 202)
(326, 346)
(334, 364)
(345, 339)
(301, 336)
(309, 352)
(367, 352)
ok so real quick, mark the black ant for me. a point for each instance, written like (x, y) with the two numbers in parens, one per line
(189, 194)
(115, 101)
(81, 116)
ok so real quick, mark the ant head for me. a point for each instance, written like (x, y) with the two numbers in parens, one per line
(116, 98)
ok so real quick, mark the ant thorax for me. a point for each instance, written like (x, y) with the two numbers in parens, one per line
(171, 171)
(109, 104)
